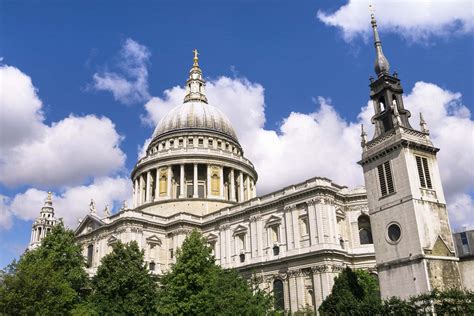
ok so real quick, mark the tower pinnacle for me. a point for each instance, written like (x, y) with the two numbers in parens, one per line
(381, 63)
(195, 84)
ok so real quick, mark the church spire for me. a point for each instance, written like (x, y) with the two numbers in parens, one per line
(195, 84)
(381, 63)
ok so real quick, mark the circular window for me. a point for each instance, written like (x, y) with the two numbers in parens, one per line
(394, 232)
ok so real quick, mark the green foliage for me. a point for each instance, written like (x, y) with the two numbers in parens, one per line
(47, 280)
(196, 285)
(123, 284)
(448, 302)
(357, 293)
(353, 293)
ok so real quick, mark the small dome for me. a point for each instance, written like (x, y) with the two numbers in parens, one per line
(195, 115)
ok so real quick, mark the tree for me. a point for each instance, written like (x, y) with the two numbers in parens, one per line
(46, 280)
(196, 285)
(353, 293)
(123, 284)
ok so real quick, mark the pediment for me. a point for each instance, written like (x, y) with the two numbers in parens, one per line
(112, 240)
(240, 229)
(153, 239)
(273, 220)
(211, 237)
(88, 224)
(440, 248)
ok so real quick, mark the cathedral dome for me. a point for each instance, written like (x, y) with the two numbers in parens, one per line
(195, 115)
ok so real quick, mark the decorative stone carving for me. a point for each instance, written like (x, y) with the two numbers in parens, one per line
(224, 227)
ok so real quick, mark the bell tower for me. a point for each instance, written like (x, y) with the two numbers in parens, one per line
(43, 224)
(412, 238)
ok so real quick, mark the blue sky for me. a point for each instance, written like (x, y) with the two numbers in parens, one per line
(300, 68)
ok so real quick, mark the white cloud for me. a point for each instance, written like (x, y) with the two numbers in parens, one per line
(461, 211)
(20, 108)
(323, 143)
(67, 152)
(72, 203)
(130, 84)
(412, 19)
(5, 213)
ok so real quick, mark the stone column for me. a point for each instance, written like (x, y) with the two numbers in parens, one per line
(195, 181)
(290, 241)
(228, 246)
(222, 243)
(181, 181)
(312, 222)
(318, 290)
(232, 185)
(169, 191)
(157, 184)
(296, 226)
(148, 186)
(293, 293)
(241, 186)
(221, 184)
(318, 208)
(247, 184)
(135, 193)
(259, 235)
(332, 221)
(208, 186)
(301, 291)
(140, 189)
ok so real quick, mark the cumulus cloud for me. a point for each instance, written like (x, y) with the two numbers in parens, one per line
(66, 152)
(71, 203)
(129, 84)
(461, 211)
(325, 144)
(5, 213)
(412, 19)
(21, 117)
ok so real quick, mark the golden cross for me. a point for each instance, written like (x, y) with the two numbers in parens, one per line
(196, 53)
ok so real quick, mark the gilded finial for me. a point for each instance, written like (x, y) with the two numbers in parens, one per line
(196, 58)
(49, 198)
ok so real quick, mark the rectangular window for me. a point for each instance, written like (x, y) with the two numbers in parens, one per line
(465, 244)
(385, 178)
(423, 172)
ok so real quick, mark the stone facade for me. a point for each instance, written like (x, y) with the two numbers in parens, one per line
(195, 176)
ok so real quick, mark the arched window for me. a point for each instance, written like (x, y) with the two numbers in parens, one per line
(365, 232)
(278, 295)
(152, 266)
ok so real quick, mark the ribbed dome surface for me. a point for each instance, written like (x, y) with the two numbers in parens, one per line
(197, 115)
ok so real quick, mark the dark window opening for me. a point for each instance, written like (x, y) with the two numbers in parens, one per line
(90, 254)
(152, 266)
(278, 295)
(242, 257)
(385, 178)
(365, 231)
(276, 250)
(423, 172)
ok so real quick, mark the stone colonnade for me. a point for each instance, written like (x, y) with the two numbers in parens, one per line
(193, 180)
